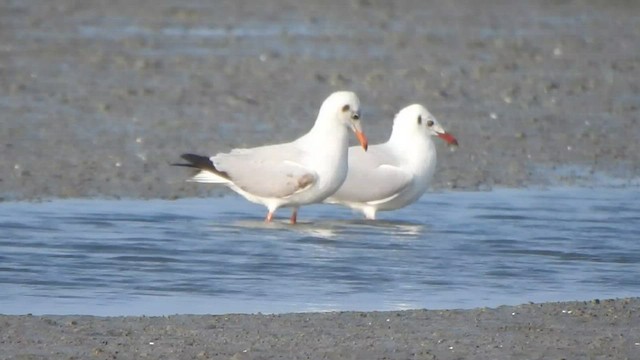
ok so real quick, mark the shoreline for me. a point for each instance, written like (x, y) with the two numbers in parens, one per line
(545, 330)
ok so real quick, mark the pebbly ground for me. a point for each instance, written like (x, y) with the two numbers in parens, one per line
(569, 330)
(98, 98)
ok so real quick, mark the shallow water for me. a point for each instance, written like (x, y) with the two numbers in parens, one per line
(450, 250)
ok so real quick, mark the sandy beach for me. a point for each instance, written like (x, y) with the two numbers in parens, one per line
(598, 329)
(99, 98)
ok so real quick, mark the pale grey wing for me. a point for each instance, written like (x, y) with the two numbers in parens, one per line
(268, 171)
(371, 178)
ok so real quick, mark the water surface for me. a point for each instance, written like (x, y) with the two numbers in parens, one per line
(450, 250)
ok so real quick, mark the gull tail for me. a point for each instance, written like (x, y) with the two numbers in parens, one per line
(208, 173)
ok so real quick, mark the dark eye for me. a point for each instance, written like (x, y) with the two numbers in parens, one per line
(419, 120)
(430, 123)
(355, 116)
(346, 108)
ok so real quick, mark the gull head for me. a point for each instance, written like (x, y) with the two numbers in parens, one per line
(345, 107)
(417, 119)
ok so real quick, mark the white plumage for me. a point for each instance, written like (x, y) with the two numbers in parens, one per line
(304, 171)
(396, 173)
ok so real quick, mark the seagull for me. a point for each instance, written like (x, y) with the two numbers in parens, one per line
(396, 173)
(304, 171)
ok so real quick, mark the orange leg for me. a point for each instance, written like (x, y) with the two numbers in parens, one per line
(294, 216)
(269, 217)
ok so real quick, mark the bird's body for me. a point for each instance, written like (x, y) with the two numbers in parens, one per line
(396, 173)
(304, 171)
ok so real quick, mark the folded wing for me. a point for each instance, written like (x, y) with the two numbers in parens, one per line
(372, 178)
(268, 171)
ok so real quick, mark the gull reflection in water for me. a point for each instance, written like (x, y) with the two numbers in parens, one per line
(388, 227)
(333, 229)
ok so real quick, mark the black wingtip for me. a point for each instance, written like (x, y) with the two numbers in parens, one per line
(198, 162)
(202, 163)
(184, 165)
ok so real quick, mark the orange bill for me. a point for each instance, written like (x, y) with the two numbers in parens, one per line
(362, 139)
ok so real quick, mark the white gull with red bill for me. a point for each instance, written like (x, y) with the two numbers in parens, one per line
(304, 171)
(396, 173)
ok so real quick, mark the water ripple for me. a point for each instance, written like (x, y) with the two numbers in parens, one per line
(186, 256)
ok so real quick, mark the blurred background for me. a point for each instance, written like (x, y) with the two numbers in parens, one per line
(97, 98)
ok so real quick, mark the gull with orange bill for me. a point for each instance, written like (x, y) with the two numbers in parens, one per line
(304, 171)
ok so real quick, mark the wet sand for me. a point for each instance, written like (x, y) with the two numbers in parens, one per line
(572, 330)
(98, 98)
